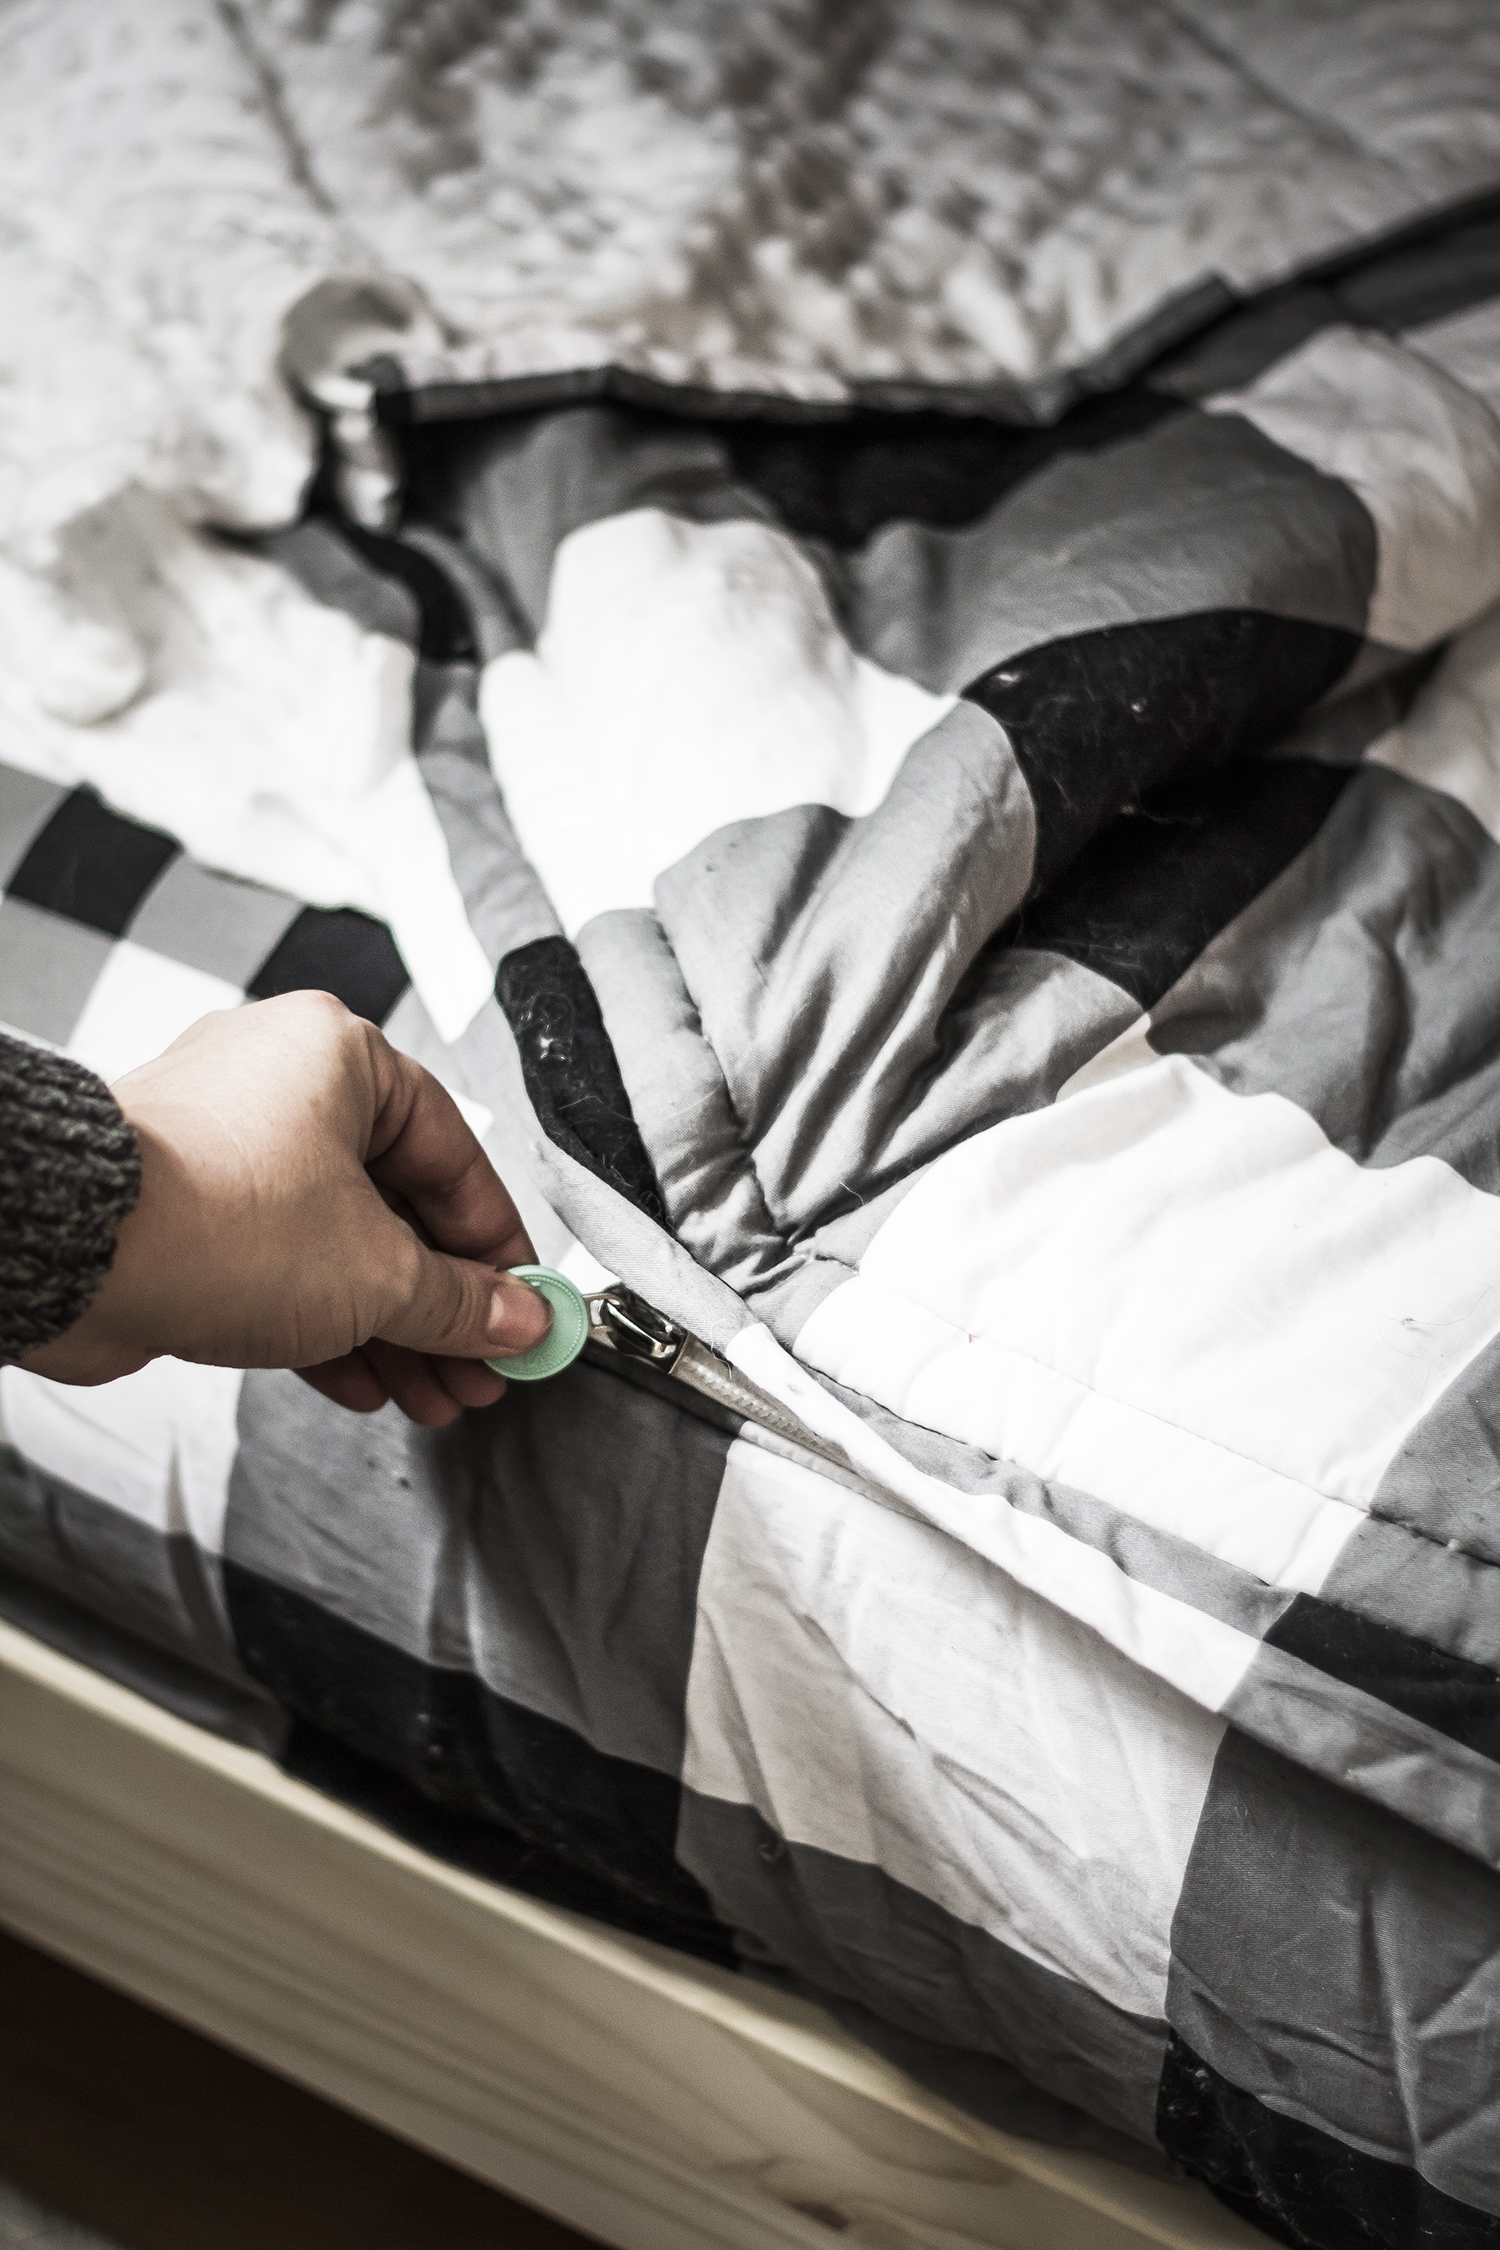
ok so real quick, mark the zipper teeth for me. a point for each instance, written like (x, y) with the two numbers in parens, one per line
(714, 1378)
(717, 1380)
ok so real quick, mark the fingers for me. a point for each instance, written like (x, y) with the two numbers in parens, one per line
(350, 1381)
(429, 1392)
(468, 1381)
(456, 1308)
(413, 1385)
(316, 1189)
(452, 1222)
(421, 1150)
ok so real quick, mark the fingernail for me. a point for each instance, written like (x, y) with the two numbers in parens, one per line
(520, 1317)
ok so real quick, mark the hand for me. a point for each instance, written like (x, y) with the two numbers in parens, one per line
(310, 1198)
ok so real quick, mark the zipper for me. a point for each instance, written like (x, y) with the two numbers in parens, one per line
(623, 1322)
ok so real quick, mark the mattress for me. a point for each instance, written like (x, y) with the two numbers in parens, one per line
(957, 886)
(649, 2100)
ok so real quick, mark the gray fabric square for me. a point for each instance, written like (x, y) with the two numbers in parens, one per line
(531, 480)
(1443, 1484)
(1228, 520)
(160, 1587)
(505, 903)
(27, 803)
(237, 1710)
(1364, 983)
(850, 1930)
(336, 573)
(1344, 1968)
(212, 922)
(1399, 1575)
(48, 968)
(551, 1546)
(845, 1094)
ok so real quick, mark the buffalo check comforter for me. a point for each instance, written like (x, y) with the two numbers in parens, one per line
(958, 862)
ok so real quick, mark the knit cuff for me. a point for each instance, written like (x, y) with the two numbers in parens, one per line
(70, 1171)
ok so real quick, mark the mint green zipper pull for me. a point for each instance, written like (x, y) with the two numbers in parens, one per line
(563, 1341)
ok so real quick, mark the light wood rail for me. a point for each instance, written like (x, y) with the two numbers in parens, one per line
(642, 2097)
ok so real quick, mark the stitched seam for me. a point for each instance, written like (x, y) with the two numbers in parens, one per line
(1126, 1406)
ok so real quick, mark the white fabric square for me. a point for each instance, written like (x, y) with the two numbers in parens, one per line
(1466, 346)
(1200, 1655)
(1421, 451)
(158, 1445)
(878, 1690)
(689, 675)
(140, 1004)
(1181, 1300)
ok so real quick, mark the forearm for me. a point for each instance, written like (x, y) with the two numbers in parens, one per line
(70, 1171)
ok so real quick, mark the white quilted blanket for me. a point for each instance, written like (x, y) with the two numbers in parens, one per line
(209, 207)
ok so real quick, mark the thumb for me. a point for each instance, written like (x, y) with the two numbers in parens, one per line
(459, 1309)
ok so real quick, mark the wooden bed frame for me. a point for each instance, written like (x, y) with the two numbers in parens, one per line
(641, 2097)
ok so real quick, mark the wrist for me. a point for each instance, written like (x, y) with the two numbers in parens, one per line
(121, 1329)
(70, 1173)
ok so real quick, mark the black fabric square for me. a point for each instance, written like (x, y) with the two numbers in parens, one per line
(841, 481)
(1097, 719)
(338, 950)
(1300, 2186)
(1148, 893)
(1333, 1989)
(471, 1774)
(91, 864)
(480, 1843)
(1447, 1693)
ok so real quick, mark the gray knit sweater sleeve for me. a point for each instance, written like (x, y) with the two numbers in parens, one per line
(70, 1170)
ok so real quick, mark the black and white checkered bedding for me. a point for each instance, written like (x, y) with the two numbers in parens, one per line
(997, 932)
(111, 938)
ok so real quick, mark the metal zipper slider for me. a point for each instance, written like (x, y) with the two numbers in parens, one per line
(618, 1317)
(628, 1325)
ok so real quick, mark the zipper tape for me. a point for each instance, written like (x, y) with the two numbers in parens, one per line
(623, 1322)
(626, 1324)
